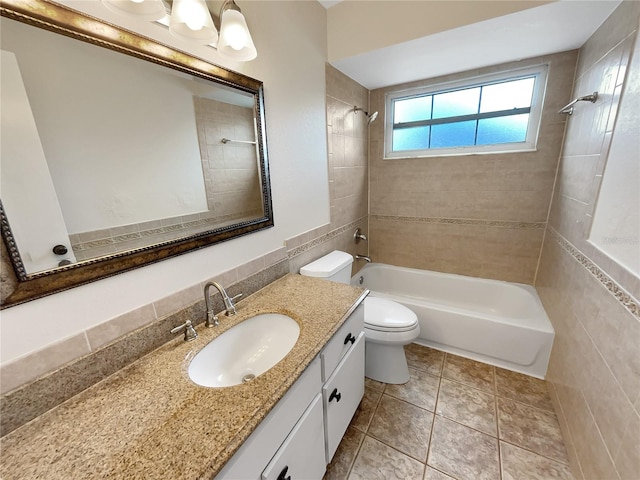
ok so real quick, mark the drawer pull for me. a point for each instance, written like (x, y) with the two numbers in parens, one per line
(350, 338)
(335, 395)
(283, 473)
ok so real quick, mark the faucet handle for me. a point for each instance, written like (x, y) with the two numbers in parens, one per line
(231, 308)
(189, 331)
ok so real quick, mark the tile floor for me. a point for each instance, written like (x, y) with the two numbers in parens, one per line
(454, 419)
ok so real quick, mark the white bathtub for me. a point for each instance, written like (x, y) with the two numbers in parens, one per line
(499, 323)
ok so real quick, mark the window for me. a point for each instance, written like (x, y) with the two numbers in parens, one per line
(500, 113)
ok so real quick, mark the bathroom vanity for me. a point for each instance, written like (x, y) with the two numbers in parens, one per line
(150, 420)
(301, 434)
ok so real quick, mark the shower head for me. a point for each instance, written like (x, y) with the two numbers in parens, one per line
(370, 117)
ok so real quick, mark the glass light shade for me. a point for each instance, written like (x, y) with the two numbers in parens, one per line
(150, 10)
(191, 21)
(235, 41)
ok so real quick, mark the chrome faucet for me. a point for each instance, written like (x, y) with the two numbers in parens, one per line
(363, 257)
(212, 319)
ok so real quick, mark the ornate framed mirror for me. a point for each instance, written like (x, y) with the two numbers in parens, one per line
(118, 151)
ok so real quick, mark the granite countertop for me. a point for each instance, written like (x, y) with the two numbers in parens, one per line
(149, 420)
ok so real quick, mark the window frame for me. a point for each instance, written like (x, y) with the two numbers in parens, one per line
(535, 115)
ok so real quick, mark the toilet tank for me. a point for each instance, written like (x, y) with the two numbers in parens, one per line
(335, 266)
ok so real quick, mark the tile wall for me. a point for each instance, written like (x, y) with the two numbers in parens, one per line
(593, 303)
(477, 215)
(232, 181)
(347, 136)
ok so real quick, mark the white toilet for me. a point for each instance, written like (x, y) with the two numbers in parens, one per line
(388, 326)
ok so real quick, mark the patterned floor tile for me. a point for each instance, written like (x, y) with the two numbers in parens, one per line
(472, 373)
(420, 390)
(424, 358)
(433, 474)
(362, 418)
(469, 406)
(345, 455)
(402, 426)
(531, 428)
(374, 385)
(462, 452)
(523, 388)
(520, 464)
(377, 461)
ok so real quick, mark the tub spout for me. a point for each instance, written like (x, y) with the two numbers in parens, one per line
(363, 257)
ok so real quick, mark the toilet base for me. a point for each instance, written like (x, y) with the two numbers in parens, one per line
(386, 363)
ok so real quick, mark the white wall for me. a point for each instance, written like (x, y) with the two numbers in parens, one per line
(291, 42)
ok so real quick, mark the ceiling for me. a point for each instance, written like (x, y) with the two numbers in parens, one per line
(550, 28)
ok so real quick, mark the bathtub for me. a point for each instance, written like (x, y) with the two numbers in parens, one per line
(495, 322)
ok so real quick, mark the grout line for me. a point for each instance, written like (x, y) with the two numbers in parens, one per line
(536, 453)
(433, 423)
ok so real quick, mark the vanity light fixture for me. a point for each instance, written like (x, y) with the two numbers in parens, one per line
(150, 10)
(235, 41)
(190, 20)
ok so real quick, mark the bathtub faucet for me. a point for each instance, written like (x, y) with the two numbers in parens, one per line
(363, 257)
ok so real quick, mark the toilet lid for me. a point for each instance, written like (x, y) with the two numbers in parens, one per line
(380, 313)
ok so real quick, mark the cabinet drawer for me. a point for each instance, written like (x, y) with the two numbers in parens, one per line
(342, 342)
(301, 456)
(341, 395)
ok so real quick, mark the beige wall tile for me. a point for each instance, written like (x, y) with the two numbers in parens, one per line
(595, 366)
(107, 332)
(502, 187)
(177, 301)
(26, 369)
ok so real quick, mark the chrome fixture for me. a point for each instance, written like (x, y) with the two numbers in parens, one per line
(228, 140)
(190, 20)
(359, 236)
(189, 331)
(370, 117)
(212, 319)
(363, 257)
(568, 108)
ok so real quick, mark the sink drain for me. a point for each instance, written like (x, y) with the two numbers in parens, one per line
(248, 377)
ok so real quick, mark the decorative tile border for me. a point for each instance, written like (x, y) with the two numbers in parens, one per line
(324, 238)
(189, 225)
(627, 301)
(463, 221)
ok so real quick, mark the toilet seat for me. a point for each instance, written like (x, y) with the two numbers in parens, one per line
(384, 315)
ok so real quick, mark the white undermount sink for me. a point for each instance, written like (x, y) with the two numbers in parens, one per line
(245, 351)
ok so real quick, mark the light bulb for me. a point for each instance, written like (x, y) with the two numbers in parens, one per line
(190, 20)
(237, 37)
(193, 17)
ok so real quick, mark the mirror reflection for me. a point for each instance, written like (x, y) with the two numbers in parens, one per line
(104, 153)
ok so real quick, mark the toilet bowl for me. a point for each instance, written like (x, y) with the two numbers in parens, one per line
(388, 326)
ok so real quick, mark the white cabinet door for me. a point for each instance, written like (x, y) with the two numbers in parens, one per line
(341, 395)
(342, 342)
(250, 459)
(301, 456)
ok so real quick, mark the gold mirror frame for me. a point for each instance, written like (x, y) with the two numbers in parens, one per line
(68, 22)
